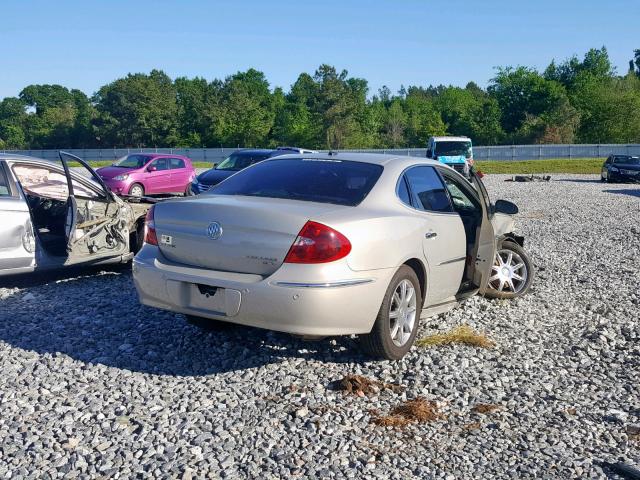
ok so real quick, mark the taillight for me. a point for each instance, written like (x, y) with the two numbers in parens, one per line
(317, 243)
(150, 228)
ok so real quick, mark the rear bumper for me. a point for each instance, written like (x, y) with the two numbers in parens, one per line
(300, 299)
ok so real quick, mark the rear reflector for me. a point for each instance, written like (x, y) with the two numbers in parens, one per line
(317, 243)
(150, 228)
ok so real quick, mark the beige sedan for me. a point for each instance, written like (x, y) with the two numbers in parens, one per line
(332, 244)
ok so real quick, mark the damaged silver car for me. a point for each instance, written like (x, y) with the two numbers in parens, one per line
(52, 216)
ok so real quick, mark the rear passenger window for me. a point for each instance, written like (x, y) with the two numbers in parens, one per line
(4, 184)
(427, 190)
(177, 163)
(403, 191)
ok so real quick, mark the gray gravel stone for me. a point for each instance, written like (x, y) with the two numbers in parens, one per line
(93, 384)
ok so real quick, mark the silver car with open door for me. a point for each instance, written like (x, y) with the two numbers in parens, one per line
(52, 217)
(331, 244)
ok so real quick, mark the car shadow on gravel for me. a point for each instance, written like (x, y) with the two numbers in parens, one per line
(98, 320)
(578, 180)
(631, 192)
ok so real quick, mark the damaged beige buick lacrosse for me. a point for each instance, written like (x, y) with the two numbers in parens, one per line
(332, 244)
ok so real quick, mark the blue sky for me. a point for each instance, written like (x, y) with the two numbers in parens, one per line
(85, 44)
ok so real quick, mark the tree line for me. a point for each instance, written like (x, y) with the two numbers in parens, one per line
(574, 101)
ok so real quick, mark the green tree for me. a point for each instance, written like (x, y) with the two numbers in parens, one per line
(246, 115)
(299, 121)
(610, 109)
(59, 117)
(471, 112)
(13, 119)
(137, 111)
(342, 102)
(596, 63)
(423, 118)
(194, 107)
(527, 99)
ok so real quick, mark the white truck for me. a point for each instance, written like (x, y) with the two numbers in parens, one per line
(456, 152)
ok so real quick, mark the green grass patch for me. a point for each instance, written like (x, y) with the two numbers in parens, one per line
(555, 165)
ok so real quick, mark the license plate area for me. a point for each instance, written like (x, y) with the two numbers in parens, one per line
(208, 298)
(207, 290)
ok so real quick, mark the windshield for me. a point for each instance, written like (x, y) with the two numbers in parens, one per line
(238, 161)
(324, 181)
(453, 148)
(626, 160)
(133, 161)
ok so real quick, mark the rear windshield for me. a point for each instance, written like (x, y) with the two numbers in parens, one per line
(626, 160)
(238, 161)
(312, 180)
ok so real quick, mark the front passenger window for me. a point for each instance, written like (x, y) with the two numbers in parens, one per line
(161, 164)
(427, 190)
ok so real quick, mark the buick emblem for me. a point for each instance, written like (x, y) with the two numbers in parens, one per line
(214, 230)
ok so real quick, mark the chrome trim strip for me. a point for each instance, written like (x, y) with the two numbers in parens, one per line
(337, 284)
(453, 260)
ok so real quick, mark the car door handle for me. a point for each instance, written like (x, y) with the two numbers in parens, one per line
(429, 235)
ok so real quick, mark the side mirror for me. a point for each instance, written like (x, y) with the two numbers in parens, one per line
(152, 168)
(505, 206)
(215, 165)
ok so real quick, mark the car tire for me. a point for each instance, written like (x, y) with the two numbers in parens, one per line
(512, 255)
(208, 324)
(136, 190)
(187, 190)
(381, 342)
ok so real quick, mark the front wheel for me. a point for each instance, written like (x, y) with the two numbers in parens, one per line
(136, 190)
(512, 272)
(397, 322)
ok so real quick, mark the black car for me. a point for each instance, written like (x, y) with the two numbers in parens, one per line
(621, 168)
(235, 162)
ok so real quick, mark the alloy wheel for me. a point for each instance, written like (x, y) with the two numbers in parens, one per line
(509, 272)
(402, 313)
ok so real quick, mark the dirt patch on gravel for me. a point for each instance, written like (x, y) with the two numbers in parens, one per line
(463, 334)
(485, 408)
(361, 386)
(418, 410)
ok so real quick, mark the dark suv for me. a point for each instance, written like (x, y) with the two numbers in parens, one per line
(621, 168)
(235, 162)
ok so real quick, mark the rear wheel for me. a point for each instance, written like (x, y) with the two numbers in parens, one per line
(187, 190)
(136, 190)
(396, 325)
(207, 324)
(512, 272)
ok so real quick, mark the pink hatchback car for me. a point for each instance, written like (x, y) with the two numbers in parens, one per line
(139, 174)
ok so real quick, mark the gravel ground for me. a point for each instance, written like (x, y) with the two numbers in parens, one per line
(92, 384)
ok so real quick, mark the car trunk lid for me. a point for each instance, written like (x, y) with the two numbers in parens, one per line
(232, 233)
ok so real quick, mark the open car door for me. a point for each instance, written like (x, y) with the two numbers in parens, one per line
(71, 206)
(97, 222)
(485, 246)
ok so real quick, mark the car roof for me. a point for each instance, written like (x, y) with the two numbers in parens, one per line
(452, 139)
(375, 158)
(254, 151)
(17, 156)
